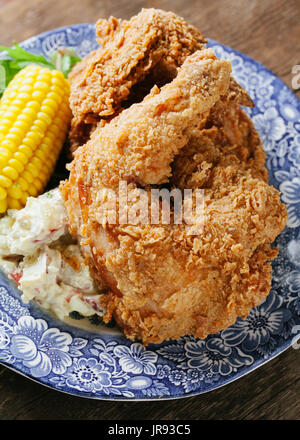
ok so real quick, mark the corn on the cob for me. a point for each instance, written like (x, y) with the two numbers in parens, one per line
(34, 119)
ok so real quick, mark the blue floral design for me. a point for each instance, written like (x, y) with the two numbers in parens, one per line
(40, 349)
(294, 151)
(288, 105)
(163, 371)
(290, 190)
(88, 375)
(177, 376)
(215, 356)
(271, 127)
(293, 252)
(260, 324)
(136, 359)
(293, 282)
(190, 379)
(265, 101)
(11, 304)
(193, 378)
(4, 339)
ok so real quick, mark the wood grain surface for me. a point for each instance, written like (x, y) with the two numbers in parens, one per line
(267, 30)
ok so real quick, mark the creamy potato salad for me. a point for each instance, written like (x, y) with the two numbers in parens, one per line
(37, 252)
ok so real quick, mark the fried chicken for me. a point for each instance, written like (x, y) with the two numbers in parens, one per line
(191, 133)
(134, 55)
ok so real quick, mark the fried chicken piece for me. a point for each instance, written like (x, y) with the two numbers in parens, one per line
(134, 55)
(130, 50)
(164, 282)
(136, 143)
(226, 139)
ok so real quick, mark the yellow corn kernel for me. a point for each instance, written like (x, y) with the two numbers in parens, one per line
(50, 136)
(33, 138)
(44, 78)
(28, 176)
(27, 151)
(47, 143)
(14, 191)
(54, 96)
(3, 160)
(39, 125)
(18, 103)
(10, 172)
(5, 153)
(21, 157)
(33, 192)
(3, 205)
(24, 197)
(23, 184)
(32, 169)
(25, 117)
(36, 162)
(14, 163)
(41, 154)
(41, 86)
(48, 110)
(29, 80)
(32, 105)
(13, 203)
(5, 182)
(25, 88)
(45, 176)
(38, 184)
(22, 125)
(14, 137)
(55, 129)
(23, 96)
(50, 103)
(8, 145)
(5, 122)
(3, 193)
(10, 114)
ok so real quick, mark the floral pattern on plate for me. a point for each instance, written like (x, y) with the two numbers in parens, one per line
(105, 365)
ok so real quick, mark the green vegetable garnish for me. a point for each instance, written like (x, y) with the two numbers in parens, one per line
(13, 59)
(64, 59)
(76, 315)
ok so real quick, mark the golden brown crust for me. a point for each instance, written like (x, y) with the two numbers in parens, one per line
(191, 133)
(134, 55)
(130, 50)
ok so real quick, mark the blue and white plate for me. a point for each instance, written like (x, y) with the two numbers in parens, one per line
(106, 365)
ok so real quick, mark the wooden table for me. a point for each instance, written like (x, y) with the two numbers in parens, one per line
(267, 30)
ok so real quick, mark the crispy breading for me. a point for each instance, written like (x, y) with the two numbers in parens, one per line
(129, 51)
(191, 133)
(134, 56)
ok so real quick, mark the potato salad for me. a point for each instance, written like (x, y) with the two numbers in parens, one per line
(37, 252)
